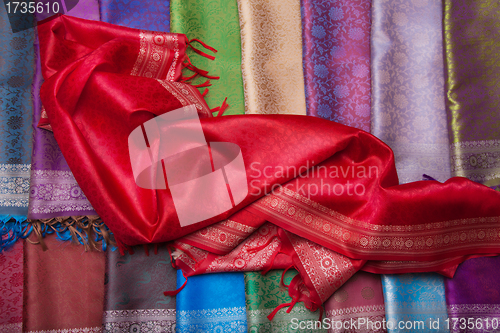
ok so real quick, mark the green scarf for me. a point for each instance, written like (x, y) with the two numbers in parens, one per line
(216, 23)
(263, 294)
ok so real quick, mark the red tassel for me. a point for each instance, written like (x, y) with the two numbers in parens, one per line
(204, 45)
(120, 247)
(283, 277)
(185, 79)
(156, 248)
(223, 108)
(202, 72)
(195, 69)
(202, 85)
(185, 251)
(146, 250)
(294, 301)
(178, 290)
(203, 54)
(205, 92)
(320, 312)
(172, 261)
(279, 307)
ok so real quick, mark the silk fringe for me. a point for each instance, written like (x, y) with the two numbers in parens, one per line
(88, 231)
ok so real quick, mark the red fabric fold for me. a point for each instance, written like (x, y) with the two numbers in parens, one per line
(331, 184)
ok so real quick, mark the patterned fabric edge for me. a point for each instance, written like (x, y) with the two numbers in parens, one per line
(462, 310)
(11, 328)
(299, 312)
(138, 315)
(477, 160)
(54, 191)
(71, 330)
(357, 311)
(212, 315)
(14, 185)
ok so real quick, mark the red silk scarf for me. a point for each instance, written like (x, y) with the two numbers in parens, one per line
(334, 185)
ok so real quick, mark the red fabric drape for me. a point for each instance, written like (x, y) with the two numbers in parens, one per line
(331, 184)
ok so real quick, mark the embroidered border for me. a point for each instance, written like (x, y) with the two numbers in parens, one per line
(154, 53)
(358, 311)
(72, 330)
(11, 328)
(185, 95)
(413, 160)
(221, 315)
(364, 238)
(223, 236)
(157, 326)
(462, 310)
(55, 191)
(245, 258)
(327, 270)
(477, 160)
(14, 185)
(138, 315)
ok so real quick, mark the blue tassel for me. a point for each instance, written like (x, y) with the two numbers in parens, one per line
(13, 228)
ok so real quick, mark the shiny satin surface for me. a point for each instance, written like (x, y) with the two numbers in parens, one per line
(474, 293)
(417, 222)
(408, 111)
(134, 289)
(415, 298)
(472, 51)
(264, 293)
(271, 46)
(16, 76)
(54, 191)
(215, 22)
(360, 297)
(336, 42)
(212, 303)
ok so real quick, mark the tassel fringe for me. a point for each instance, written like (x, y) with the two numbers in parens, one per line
(88, 231)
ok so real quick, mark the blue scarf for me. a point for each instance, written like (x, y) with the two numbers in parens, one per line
(16, 76)
(212, 303)
(415, 300)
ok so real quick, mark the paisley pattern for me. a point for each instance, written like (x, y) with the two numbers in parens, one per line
(474, 293)
(222, 236)
(271, 56)
(315, 220)
(360, 298)
(11, 289)
(64, 287)
(263, 294)
(408, 111)
(215, 22)
(16, 76)
(53, 190)
(415, 297)
(254, 254)
(212, 303)
(134, 289)
(14, 185)
(472, 52)
(323, 270)
(336, 42)
(146, 14)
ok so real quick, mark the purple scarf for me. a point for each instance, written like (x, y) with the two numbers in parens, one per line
(474, 292)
